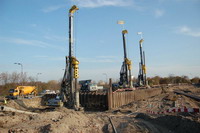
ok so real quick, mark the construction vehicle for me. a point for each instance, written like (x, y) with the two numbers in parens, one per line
(125, 73)
(48, 92)
(142, 79)
(54, 100)
(22, 91)
(69, 92)
(88, 86)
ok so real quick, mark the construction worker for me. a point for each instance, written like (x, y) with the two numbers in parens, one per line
(5, 101)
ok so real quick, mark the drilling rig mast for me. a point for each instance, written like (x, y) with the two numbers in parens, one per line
(125, 73)
(142, 79)
(69, 91)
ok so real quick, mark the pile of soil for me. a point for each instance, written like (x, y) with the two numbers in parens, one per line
(60, 120)
(174, 123)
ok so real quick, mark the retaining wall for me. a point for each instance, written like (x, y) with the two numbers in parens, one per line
(111, 100)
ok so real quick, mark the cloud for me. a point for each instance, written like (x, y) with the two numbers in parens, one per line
(100, 3)
(55, 38)
(45, 57)
(185, 30)
(25, 42)
(158, 13)
(21, 41)
(40, 56)
(97, 59)
(96, 74)
(53, 8)
(106, 57)
(33, 25)
(100, 59)
(173, 69)
(95, 4)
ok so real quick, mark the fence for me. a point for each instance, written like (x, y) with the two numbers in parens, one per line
(111, 100)
(118, 99)
(94, 101)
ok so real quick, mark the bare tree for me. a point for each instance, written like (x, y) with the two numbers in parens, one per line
(195, 80)
(53, 85)
(24, 78)
(14, 77)
(31, 79)
(4, 77)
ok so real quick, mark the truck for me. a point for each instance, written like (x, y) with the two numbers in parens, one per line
(22, 91)
(87, 86)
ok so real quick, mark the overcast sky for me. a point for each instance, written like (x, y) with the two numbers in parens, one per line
(35, 33)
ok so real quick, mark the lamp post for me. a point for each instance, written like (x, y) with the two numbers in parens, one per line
(121, 22)
(37, 79)
(37, 75)
(106, 76)
(21, 71)
(140, 33)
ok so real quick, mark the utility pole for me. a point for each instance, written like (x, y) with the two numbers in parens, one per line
(37, 79)
(106, 77)
(37, 75)
(21, 72)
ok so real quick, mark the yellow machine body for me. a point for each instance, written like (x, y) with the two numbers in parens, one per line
(23, 90)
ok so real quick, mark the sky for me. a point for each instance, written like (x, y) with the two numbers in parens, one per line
(35, 33)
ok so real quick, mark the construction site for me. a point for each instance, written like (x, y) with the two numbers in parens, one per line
(81, 106)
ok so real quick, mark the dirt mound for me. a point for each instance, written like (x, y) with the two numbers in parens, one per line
(60, 120)
(25, 104)
(17, 104)
(178, 124)
(143, 116)
(174, 123)
(32, 103)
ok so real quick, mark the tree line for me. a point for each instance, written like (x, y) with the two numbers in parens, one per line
(157, 80)
(14, 79)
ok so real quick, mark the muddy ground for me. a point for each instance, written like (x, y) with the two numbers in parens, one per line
(131, 118)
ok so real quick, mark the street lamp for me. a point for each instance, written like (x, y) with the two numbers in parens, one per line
(140, 33)
(121, 22)
(37, 79)
(37, 75)
(21, 71)
(106, 76)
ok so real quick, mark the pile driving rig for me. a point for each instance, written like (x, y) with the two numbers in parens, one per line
(69, 92)
(142, 79)
(125, 73)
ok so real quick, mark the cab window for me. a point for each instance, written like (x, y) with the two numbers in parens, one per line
(11, 90)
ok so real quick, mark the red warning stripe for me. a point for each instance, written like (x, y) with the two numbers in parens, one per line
(194, 110)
